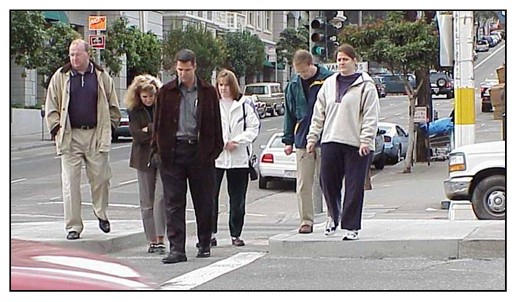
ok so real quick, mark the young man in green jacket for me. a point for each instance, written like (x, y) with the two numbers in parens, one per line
(301, 93)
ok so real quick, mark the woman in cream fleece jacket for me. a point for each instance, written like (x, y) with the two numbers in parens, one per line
(345, 119)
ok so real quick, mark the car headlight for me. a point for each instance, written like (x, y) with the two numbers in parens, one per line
(457, 162)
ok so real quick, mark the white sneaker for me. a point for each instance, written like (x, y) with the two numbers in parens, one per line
(351, 235)
(330, 227)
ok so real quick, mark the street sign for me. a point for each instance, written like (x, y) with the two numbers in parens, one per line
(97, 41)
(361, 66)
(420, 114)
(97, 23)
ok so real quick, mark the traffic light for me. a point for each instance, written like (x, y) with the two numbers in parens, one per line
(323, 34)
(318, 32)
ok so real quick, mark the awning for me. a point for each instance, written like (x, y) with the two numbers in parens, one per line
(269, 64)
(56, 15)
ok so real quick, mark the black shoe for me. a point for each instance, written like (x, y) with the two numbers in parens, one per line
(104, 225)
(174, 257)
(214, 242)
(203, 252)
(73, 235)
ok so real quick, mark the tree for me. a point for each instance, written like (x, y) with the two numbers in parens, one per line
(208, 50)
(402, 47)
(119, 41)
(290, 41)
(244, 53)
(147, 55)
(26, 37)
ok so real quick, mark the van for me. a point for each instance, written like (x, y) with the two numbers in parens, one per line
(269, 93)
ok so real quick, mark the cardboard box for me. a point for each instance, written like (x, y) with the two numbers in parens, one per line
(500, 72)
(497, 94)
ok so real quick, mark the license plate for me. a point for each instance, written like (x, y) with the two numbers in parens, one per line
(290, 174)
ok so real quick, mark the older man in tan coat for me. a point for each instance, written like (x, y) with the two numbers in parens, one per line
(81, 112)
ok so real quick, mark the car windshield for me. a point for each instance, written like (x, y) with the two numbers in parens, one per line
(123, 112)
(385, 128)
(277, 142)
(435, 76)
(256, 90)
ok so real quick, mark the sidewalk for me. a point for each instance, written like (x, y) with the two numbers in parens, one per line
(383, 235)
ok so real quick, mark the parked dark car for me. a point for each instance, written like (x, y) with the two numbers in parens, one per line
(394, 83)
(123, 128)
(441, 84)
(492, 41)
(380, 85)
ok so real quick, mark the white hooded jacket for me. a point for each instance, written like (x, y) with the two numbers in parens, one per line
(232, 125)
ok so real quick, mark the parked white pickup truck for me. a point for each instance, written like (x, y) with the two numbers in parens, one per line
(477, 173)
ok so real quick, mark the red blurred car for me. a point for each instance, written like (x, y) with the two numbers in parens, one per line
(39, 266)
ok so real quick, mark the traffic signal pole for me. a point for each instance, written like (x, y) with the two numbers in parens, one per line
(464, 114)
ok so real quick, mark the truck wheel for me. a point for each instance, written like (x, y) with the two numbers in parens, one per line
(282, 110)
(488, 198)
(262, 114)
(263, 182)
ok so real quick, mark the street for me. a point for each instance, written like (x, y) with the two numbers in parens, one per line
(36, 197)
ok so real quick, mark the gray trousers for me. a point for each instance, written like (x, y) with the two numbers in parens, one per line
(98, 170)
(153, 212)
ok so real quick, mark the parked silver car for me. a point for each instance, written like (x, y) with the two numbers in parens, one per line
(123, 128)
(269, 93)
(379, 156)
(396, 141)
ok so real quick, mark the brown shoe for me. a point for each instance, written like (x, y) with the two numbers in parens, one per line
(237, 241)
(305, 229)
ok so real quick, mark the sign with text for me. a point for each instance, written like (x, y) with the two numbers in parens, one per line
(420, 114)
(97, 41)
(361, 66)
(97, 23)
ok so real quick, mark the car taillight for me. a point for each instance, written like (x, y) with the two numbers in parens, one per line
(267, 158)
(124, 123)
(387, 139)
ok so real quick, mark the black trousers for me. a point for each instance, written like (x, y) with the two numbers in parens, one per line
(237, 185)
(343, 161)
(200, 177)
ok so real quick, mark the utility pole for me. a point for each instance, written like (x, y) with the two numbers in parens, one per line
(464, 78)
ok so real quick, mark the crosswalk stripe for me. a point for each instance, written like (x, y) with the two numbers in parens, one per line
(208, 273)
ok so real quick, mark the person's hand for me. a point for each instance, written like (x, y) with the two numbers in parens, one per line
(310, 147)
(364, 150)
(231, 146)
(288, 149)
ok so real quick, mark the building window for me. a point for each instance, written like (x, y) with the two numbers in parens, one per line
(267, 24)
(251, 18)
(258, 21)
(209, 15)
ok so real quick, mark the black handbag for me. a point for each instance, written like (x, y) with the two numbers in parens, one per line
(252, 159)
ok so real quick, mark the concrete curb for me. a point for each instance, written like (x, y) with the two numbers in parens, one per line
(124, 234)
(398, 239)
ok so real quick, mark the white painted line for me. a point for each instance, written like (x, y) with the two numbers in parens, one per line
(208, 273)
(18, 180)
(120, 147)
(119, 205)
(128, 182)
(272, 130)
(35, 215)
(489, 56)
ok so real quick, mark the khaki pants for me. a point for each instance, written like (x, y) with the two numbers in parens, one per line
(307, 164)
(98, 170)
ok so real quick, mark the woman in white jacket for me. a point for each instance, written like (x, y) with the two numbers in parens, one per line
(235, 155)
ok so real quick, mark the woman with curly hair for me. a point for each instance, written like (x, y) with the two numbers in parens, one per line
(140, 98)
